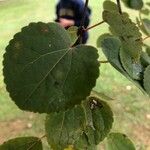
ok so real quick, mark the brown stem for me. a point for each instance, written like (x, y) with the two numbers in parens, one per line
(146, 38)
(84, 13)
(94, 26)
(119, 6)
(80, 31)
(104, 61)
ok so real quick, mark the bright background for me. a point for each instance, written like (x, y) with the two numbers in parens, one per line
(131, 108)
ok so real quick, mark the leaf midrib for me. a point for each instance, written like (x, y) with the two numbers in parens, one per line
(39, 83)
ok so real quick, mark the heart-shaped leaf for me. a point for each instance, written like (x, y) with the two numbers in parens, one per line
(119, 141)
(22, 143)
(147, 80)
(43, 73)
(83, 126)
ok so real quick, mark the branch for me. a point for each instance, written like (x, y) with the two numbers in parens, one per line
(104, 61)
(81, 28)
(94, 26)
(119, 6)
(84, 13)
(146, 38)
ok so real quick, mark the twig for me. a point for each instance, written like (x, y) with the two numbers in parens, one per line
(104, 61)
(146, 38)
(81, 28)
(84, 13)
(94, 26)
(119, 6)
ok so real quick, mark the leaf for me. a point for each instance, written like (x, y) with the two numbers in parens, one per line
(109, 5)
(83, 126)
(148, 50)
(145, 11)
(134, 4)
(111, 48)
(133, 69)
(146, 25)
(22, 143)
(119, 141)
(126, 31)
(43, 73)
(101, 38)
(145, 59)
(147, 80)
(73, 30)
(148, 4)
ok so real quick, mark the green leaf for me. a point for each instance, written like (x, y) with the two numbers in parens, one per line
(134, 4)
(101, 38)
(126, 31)
(146, 25)
(109, 5)
(145, 11)
(133, 69)
(145, 59)
(22, 143)
(148, 4)
(111, 48)
(147, 80)
(83, 126)
(73, 30)
(43, 73)
(148, 50)
(119, 141)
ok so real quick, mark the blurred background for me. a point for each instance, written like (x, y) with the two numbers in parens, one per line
(131, 107)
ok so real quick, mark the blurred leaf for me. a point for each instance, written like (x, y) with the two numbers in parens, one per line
(102, 37)
(133, 69)
(73, 30)
(109, 5)
(145, 59)
(145, 11)
(146, 24)
(126, 31)
(111, 48)
(22, 143)
(148, 50)
(83, 126)
(147, 80)
(148, 4)
(119, 141)
(43, 73)
(134, 4)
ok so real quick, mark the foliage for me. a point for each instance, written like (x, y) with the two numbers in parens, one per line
(22, 143)
(46, 71)
(118, 141)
